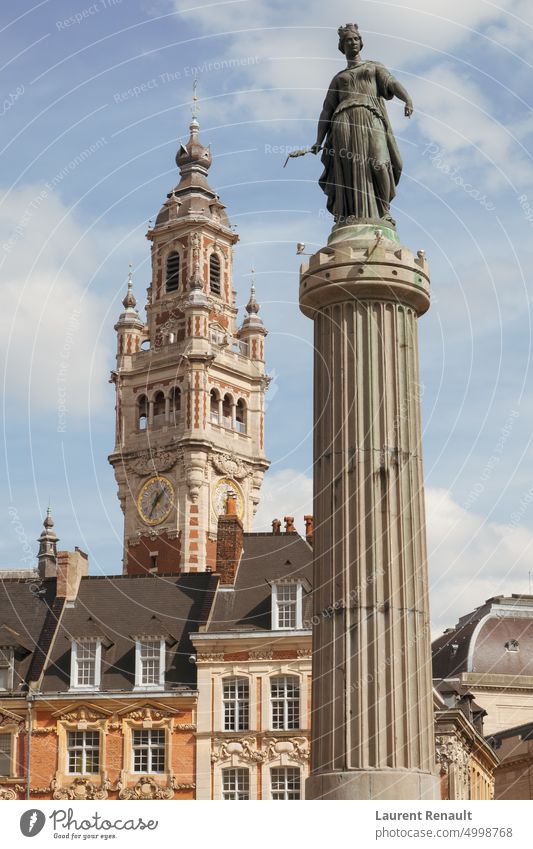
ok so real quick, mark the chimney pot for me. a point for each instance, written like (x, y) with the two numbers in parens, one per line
(289, 524)
(309, 527)
(276, 527)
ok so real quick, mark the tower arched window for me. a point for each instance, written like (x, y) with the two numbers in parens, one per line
(174, 403)
(214, 407)
(227, 411)
(159, 408)
(214, 274)
(142, 412)
(173, 271)
(240, 416)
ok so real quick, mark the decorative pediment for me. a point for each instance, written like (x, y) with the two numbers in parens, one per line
(150, 712)
(8, 718)
(82, 713)
(146, 788)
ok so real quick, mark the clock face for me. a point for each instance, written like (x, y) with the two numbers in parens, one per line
(155, 500)
(220, 494)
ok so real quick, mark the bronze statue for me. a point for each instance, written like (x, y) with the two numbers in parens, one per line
(362, 163)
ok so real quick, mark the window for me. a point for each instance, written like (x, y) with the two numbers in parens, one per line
(240, 416)
(214, 274)
(150, 663)
(285, 783)
(287, 606)
(85, 666)
(175, 401)
(6, 668)
(6, 742)
(236, 704)
(159, 407)
(148, 751)
(142, 412)
(83, 752)
(236, 784)
(227, 406)
(512, 645)
(214, 408)
(285, 701)
(173, 271)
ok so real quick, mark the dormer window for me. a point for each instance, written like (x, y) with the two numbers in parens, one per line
(150, 663)
(6, 668)
(512, 645)
(287, 605)
(86, 662)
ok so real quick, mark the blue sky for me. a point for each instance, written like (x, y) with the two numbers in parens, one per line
(95, 98)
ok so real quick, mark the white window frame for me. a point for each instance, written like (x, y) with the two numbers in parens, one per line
(74, 669)
(237, 703)
(240, 772)
(148, 747)
(285, 703)
(285, 791)
(7, 661)
(84, 749)
(299, 606)
(139, 684)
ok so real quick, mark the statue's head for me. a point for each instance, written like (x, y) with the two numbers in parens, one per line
(349, 31)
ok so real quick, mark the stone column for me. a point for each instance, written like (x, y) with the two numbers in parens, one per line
(372, 717)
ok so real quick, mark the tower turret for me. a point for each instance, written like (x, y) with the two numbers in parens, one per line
(47, 555)
(191, 399)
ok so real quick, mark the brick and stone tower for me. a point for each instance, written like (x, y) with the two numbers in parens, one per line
(189, 384)
(372, 715)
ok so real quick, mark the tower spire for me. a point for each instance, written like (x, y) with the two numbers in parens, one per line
(194, 105)
(47, 555)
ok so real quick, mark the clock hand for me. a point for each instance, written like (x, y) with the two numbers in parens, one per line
(156, 500)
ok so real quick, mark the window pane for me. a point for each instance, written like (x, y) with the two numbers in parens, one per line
(83, 749)
(285, 698)
(5, 754)
(235, 784)
(287, 595)
(86, 663)
(285, 783)
(236, 704)
(4, 678)
(148, 751)
(150, 654)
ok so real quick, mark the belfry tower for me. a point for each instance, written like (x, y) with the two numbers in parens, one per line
(190, 385)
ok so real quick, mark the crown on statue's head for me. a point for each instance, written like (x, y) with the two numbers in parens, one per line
(345, 31)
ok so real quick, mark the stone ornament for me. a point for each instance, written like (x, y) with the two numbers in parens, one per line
(209, 657)
(81, 789)
(245, 749)
(296, 748)
(227, 464)
(153, 461)
(261, 654)
(146, 789)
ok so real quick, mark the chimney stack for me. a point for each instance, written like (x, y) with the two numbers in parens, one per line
(276, 527)
(309, 525)
(230, 540)
(71, 567)
(289, 524)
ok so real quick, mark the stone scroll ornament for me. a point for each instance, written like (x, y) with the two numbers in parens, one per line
(362, 163)
(153, 461)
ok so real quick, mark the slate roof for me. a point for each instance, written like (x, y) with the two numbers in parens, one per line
(266, 557)
(120, 607)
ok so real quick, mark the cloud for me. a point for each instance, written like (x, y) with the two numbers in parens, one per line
(470, 558)
(287, 492)
(50, 320)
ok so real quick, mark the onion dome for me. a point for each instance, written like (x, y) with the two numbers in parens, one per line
(130, 314)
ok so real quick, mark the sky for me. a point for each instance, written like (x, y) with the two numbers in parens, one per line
(96, 97)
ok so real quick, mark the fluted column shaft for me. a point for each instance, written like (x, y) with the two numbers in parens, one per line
(372, 706)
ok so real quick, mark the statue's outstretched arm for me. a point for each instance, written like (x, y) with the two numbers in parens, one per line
(397, 89)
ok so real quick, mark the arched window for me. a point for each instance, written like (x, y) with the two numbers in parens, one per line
(159, 408)
(214, 407)
(214, 274)
(173, 271)
(285, 702)
(142, 412)
(240, 416)
(175, 399)
(227, 405)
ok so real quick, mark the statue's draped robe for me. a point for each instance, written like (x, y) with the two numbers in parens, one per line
(360, 146)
